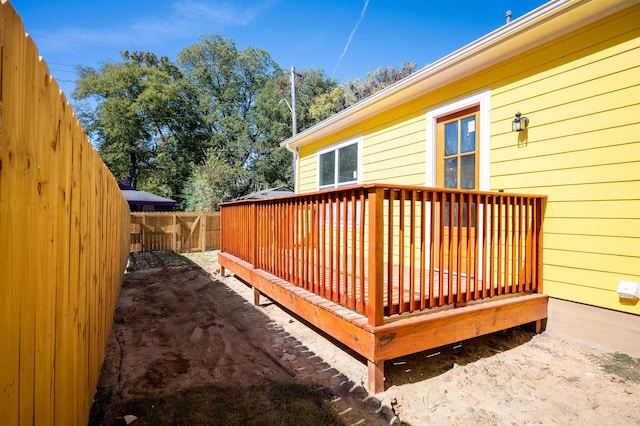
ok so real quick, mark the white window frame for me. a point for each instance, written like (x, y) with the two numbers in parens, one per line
(483, 99)
(335, 148)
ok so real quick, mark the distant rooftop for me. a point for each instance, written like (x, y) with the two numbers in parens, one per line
(279, 191)
(136, 197)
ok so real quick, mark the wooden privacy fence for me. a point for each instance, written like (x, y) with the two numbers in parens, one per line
(182, 232)
(384, 250)
(64, 244)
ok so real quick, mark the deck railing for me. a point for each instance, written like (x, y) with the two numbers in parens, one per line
(384, 250)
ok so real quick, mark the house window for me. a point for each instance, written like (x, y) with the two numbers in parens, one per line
(339, 165)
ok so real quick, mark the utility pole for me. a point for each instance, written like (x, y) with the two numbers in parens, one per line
(294, 117)
(294, 127)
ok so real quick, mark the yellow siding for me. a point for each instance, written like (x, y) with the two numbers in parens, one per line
(583, 151)
(581, 93)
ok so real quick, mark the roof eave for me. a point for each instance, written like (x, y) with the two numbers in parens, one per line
(524, 33)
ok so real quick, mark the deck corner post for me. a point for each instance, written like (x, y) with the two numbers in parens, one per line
(540, 211)
(256, 297)
(375, 376)
(375, 307)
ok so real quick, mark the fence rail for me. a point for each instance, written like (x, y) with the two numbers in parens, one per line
(384, 250)
(182, 232)
(64, 244)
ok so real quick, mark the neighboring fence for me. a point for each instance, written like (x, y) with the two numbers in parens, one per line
(383, 250)
(64, 244)
(177, 231)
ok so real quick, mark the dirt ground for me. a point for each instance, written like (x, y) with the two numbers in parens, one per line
(189, 347)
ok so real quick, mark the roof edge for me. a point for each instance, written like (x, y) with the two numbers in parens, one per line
(471, 58)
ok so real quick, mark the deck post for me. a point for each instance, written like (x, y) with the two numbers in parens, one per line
(375, 308)
(256, 297)
(540, 210)
(375, 376)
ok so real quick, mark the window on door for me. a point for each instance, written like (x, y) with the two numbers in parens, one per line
(338, 165)
(457, 157)
(457, 149)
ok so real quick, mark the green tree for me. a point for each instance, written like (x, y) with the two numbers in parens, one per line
(243, 142)
(144, 122)
(377, 80)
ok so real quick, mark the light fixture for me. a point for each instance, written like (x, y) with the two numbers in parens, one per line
(519, 123)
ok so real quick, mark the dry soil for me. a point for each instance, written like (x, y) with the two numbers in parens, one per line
(189, 347)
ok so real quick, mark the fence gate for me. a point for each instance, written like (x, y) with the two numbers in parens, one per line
(176, 231)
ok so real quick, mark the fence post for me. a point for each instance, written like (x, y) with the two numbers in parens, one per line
(375, 307)
(142, 233)
(203, 229)
(174, 245)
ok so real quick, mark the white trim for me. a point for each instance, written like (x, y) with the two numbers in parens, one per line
(483, 99)
(356, 140)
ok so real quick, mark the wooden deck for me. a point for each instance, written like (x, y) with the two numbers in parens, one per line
(385, 271)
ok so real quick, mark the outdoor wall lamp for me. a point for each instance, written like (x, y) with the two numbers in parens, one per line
(519, 123)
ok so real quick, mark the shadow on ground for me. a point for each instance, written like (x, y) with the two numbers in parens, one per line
(186, 349)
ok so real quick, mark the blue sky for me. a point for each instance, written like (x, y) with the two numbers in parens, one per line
(345, 38)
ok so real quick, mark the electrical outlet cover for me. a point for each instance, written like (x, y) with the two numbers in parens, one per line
(628, 289)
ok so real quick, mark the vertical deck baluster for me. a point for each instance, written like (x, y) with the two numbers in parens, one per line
(282, 223)
(262, 236)
(322, 261)
(361, 238)
(305, 243)
(353, 228)
(485, 240)
(338, 248)
(501, 244)
(452, 244)
(423, 254)
(476, 246)
(444, 199)
(460, 246)
(412, 251)
(519, 262)
(316, 247)
(514, 244)
(507, 252)
(287, 239)
(271, 235)
(527, 245)
(344, 299)
(311, 233)
(432, 247)
(331, 227)
(471, 236)
(390, 306)
(495, 245)
(296, 241)
(401, 254)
